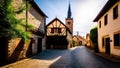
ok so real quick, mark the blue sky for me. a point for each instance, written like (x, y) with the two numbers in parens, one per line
(83, 12)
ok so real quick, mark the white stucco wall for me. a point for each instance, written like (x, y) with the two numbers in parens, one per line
(109, 30)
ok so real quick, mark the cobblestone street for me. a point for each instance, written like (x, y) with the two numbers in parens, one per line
(79, 57)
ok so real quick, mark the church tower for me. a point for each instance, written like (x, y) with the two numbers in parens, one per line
(69, 20)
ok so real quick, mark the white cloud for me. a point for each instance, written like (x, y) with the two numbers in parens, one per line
(84, 14)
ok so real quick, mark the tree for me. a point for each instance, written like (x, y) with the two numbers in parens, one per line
(10, 26)
(94, 38)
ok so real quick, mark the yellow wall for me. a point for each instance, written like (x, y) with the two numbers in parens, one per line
(89, 42)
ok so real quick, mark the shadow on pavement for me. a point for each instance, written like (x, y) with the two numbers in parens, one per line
(60, 58)
(49, 54)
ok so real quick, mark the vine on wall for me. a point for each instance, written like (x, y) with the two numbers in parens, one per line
(10, 26)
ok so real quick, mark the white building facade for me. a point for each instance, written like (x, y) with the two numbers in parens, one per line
(109, 28)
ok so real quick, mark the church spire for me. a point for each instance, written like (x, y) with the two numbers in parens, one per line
(69, 20)
(69, 12)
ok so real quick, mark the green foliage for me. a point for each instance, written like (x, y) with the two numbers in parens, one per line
(80, 43)
(10, 26)
(21, 9)
(94, 35)
(76, 43)
(94, 38)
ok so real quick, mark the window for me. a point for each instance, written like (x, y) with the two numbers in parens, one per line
(55, 30)
(115, 12)
(52, 30)
(59, 30)
(117, 39)
(105, 19)
(100, 24)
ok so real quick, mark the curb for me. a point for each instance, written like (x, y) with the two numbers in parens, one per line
(14, 63)
(107, 57)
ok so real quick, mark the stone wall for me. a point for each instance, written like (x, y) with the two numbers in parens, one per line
(17, 49)
(34, 18)
(69, 39)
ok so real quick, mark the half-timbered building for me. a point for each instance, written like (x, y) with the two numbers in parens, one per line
(58, 35)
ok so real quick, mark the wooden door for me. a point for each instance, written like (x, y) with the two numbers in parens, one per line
(39, 46)
(107, 45)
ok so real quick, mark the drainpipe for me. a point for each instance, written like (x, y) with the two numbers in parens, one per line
(24, 48)
(26, 14)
